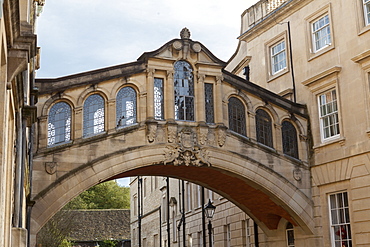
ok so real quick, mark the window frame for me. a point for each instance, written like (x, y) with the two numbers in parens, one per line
(159, 95)
(327, 116)
(318, 34)
(276, 54)
(310, 20)
(240, 116)
(346, 213)
(289, 230)
(366, 11)
(184, 91)
(67, 126)
(209, 103)
(86, 125)
(123, 97)
(292, 140)
(270, 73)
(265, 133)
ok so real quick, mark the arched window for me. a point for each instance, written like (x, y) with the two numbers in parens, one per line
(126, 107)
(290, 235)
(263, 128)
(184, 91)
(93, 115)
(59, 124)
(236, 116)
(290, 144)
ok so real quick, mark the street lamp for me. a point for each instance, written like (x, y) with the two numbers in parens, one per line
(210, 211)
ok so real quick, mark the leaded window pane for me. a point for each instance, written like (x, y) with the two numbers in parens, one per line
(208, 95)
(184, 91)
(321, 33)
(59, 124)
(158, 98)
(340, 220)
(264, 128)
(278, 57)
(329, 120)
(237, 116)
(93, 115)
(126, 107)
(290, 144)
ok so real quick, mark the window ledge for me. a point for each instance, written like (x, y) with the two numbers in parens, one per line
(320, 52)
(340, 140)
(277, 75)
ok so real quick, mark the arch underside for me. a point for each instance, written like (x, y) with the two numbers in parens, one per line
(262, 193)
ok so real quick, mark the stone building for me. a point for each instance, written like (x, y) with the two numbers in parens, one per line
(315, 53)
(279, 133)
(19, 60)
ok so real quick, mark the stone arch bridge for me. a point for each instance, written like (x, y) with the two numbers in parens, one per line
(178, 121)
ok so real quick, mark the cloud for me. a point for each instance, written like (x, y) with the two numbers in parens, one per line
(83, 35)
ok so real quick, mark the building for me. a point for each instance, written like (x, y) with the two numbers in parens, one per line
(19, 60)
(315, 53)
(281, 130)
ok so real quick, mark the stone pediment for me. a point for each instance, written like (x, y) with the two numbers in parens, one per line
(186, 49)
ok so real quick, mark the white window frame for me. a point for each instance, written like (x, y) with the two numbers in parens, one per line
(328, 116)
(275, 57)
(366, 9)
(321, 32)
(335, 233)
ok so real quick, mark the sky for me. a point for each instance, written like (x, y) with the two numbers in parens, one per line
(78, 36)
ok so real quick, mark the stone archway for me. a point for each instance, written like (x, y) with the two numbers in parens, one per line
(261, 192)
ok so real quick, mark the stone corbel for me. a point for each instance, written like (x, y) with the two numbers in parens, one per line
(30, 114)
(221, 134)
(151, 129)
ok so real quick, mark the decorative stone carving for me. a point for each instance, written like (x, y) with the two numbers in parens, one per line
(186, 152)
(297, 174)
(151, 130)
(178, 156)
(171, 133)
(221, 135)
(196, 47)
(177, 45)
(185, 33)
(51, 167)
(203, 135)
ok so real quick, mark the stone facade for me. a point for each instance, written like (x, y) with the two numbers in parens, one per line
(299, 58)
(339, 63)
(155, 138)
(19, 60)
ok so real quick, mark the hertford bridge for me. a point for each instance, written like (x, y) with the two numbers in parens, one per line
(174, 112)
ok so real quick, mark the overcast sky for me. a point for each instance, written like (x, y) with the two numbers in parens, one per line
(77, 36)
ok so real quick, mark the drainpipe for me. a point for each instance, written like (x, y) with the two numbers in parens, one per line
(203, 219)
(139, 199)
(291, 63)
(168, 212)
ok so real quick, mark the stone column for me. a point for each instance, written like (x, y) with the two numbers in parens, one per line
(110, 115)
(278, 142)
(199, 98)
(219, 106)
(78, 123)
(43, 132)
(150, 93)
(169, 96)
(251, 125)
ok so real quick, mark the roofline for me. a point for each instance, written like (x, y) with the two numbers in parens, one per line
(265, 94)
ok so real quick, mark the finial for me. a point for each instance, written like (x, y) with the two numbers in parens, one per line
(185, 33)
